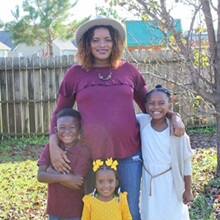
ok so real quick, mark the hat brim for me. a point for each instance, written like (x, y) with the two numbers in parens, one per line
(99, 22)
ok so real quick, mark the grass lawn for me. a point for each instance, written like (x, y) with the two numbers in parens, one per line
(23, 198)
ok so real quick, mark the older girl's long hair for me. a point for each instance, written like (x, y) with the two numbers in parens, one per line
(84, 55)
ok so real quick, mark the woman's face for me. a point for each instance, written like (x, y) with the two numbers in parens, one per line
(101, 45)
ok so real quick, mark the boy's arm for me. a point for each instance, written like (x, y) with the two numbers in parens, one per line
(49, 175)
(45, 175)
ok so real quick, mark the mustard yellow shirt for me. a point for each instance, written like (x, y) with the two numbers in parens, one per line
(115, 209)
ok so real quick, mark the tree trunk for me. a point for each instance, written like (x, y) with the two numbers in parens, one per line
(218, 138)
(50, 47)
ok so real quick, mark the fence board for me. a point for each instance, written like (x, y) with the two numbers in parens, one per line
(18, 104)
(32, 124)
(4, 104)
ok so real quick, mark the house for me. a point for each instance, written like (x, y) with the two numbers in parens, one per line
(147, 35)
(199, 40)
(60, 48)
(24, 50)
(4, 50)
(6, 43)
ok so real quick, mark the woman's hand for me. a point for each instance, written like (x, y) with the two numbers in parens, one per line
(58, 157)
(177, 125)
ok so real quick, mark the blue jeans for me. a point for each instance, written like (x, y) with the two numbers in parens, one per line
(130, 171)
(52, 217)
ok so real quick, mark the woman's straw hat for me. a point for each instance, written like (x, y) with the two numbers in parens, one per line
(99, 21)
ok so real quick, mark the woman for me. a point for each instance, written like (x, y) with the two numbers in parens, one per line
(104, 88)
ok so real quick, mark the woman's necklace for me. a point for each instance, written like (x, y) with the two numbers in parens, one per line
(105, 77)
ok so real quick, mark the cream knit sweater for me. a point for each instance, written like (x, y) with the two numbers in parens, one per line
(181, 156)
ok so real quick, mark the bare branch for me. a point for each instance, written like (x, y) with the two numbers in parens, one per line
(192, 23)
(212, 5)
(210, 28)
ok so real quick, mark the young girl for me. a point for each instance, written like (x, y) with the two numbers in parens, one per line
(65, 191)
(105, 202)
(166, 178)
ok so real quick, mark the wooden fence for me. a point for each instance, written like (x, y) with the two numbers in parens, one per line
(28, 90)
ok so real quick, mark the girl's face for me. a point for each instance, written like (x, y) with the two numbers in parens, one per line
(158, 105)
(68, 130)
(101, 45)
(106, 184)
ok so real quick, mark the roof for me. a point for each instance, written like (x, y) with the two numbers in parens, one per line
(6, 38)
(146, 33)
(64, 44)
(4, 47)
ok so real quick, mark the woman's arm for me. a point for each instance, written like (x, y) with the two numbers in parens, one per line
(177, 125)
(57, 155)
(66, 99)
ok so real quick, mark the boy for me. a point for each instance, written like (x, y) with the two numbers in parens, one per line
(65, 191)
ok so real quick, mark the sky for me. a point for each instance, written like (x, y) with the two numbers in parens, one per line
(87, 7)
(82, 9)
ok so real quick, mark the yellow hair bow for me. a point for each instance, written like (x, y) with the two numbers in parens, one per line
(112, 163)
(97, 164)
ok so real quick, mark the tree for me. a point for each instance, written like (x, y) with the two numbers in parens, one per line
(203, 64)
(1, 24)
(108, 11)
(43, 21)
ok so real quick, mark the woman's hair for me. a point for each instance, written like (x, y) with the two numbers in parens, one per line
(158, 88)
(85, 56)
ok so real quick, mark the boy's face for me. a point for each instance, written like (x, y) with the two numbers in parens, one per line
(68, 130)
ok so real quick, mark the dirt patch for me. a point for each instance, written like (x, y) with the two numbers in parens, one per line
(203, 141)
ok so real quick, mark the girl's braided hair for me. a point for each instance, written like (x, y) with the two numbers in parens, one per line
(158, 88)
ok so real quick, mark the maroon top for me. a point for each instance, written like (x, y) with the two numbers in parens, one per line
(63, 201)
(106, 107)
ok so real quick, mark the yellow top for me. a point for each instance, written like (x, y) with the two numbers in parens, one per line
(115, 209)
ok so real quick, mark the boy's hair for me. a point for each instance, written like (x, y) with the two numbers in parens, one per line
(69, 112)
(158, 88)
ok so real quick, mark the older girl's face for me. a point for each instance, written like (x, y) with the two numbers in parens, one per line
(101, 45)
(158, 105)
